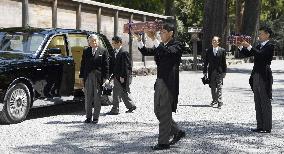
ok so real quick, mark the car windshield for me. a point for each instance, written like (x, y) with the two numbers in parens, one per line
(26, 43)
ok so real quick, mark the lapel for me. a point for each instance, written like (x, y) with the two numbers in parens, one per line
(266, 44)
(169, 43)
(98, 52)
(211, 53)
(89, 52)
(218, 52)
(119, 53)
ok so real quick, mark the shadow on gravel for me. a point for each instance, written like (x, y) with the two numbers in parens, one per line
(277, 96)
(134, 137)
(195, 105)
(58, 109)
(277, 71)
(239, 90)
(237, 70)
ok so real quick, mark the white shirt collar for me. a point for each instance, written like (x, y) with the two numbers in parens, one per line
(263, 43)
(215, 49)
(117, 50)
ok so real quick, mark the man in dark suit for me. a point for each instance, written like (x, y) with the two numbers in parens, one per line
(216, 59)
(120, 67)
(261, 78)
(167, 55)
(94, 71)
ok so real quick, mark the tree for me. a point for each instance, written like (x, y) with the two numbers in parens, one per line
(214, 21)
(190, 12)
(250, 21)
(169, 7)
(239, 15)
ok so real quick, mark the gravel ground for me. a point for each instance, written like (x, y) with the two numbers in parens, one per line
(60, 128)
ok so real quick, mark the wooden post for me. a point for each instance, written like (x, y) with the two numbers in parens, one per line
(99, 20)
(116, 23)
(194, 42)
(25, 13)
(78, 16)
(143, 39)
(130, 40)
(54, 14)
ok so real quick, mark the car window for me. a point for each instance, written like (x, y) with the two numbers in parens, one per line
(77, 40)
(20, 42)
(58, 42)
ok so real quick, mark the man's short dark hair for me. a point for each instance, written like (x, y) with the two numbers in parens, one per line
(266, 29)
(219, 38)
(117, 39)
(169, 27)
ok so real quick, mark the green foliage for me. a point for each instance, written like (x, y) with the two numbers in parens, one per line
(272, 10)
(272, 14)
(190, 12)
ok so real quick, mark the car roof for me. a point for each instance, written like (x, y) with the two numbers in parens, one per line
(49, 31)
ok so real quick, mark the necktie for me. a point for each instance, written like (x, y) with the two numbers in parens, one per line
(116, 51)
(214, 51)
(93, 51)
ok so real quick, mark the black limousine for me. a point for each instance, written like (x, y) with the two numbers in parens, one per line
(36, 64)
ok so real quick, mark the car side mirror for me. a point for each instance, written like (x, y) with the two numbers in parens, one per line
(54, 51)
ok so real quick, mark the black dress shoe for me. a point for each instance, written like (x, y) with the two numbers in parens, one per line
(88, 120)
(95, 121)
(257, 130)
(213, 103)
(160, 147)
(219, 106)
(265, 131)
(112, 113)
(131, 109)
(177, 137)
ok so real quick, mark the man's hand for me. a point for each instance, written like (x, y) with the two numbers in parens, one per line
(106, 82)
(245, 44)
(136, 36)
(223, 75)
(151, 34)
(121, 79)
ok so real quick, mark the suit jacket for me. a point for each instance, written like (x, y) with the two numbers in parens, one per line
(217, 62)
(121, 67)
(262, 62)
(167, 58)
(100, 62)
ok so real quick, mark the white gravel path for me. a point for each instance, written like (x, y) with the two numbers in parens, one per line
(60, 129)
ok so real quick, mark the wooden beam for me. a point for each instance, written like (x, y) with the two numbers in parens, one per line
(143, 39)
(25, 13)
(121, 9)
(78, 16)
(99, 20)
(116, 23)
(54, 14)
(131, 40)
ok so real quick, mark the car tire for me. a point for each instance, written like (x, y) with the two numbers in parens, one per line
(17, 102)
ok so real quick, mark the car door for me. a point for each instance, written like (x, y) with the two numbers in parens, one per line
(77, 43)
(59, 67)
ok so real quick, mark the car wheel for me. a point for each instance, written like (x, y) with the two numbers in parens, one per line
(17, 103)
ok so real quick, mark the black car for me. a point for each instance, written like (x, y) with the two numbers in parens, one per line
(39, 63)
